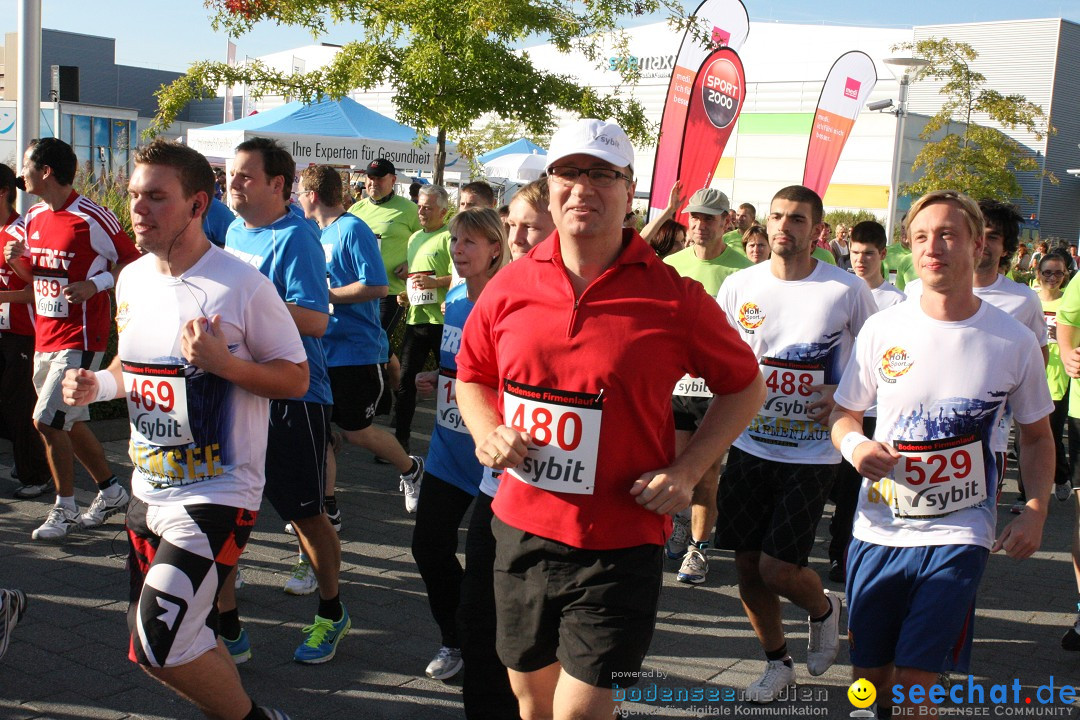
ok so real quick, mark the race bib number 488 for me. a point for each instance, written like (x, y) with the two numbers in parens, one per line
(565, 431)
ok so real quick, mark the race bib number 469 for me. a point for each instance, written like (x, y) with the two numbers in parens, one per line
(938, 477)
(565, 431)
(157, 404)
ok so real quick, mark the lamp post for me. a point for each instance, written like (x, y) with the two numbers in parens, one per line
(902, 69)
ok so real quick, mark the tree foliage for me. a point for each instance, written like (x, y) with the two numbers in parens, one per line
(976, 159)
(448, 63)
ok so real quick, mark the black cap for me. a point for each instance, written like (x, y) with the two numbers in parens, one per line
(381, 168)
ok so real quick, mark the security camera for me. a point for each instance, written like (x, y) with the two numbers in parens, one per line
(880, 105)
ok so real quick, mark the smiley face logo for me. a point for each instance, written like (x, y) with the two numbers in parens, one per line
(862, 693)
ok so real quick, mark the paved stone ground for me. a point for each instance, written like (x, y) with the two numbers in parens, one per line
(68, 656)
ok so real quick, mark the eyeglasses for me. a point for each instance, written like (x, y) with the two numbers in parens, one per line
(599, 177)
(1052, 273)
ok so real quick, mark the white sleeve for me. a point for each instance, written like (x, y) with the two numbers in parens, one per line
(858, 385)
(1030, 400)
(269, 330)
(1034, 319)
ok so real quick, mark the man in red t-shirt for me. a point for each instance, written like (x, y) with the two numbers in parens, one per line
(565, 376)
(71, 242)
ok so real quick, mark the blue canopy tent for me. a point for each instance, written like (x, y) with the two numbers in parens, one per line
(329, 132)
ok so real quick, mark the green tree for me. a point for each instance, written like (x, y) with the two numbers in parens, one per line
(976, 159)
(448, 63)
(495, 133)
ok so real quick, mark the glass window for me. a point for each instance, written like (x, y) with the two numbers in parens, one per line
(101, 132)
(45, 124)
(81, 124)
(65, 128)
(82, 152)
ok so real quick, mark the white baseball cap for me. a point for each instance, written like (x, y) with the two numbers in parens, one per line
(602, 139)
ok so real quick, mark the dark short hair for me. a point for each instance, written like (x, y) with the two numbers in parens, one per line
(869, 232)
(803, 194)
(7, 182)
(665, 241)
(277, 162)
(482, 190)
(751, 208)
(194, 170)
(56, 154)
(324, 181)
(1006, 218)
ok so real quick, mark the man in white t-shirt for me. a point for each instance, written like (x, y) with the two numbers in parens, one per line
(940, 369)
(800, 316)
(204, 340)
(867, 250)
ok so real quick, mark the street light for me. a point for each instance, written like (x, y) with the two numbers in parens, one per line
(903, 69)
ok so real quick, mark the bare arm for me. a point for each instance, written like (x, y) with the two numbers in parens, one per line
(1023, 536)
(357, 292)
(497, 446)
(310, 323)
(874, 460)
(14, 253)
(670, 489)
(1067, 337)
(674, 200)
(25, 295)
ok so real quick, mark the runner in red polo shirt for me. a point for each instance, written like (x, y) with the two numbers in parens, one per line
(565, 376)
(70, 245)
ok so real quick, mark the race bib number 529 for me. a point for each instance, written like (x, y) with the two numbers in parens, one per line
(565, 431)
(938, 477)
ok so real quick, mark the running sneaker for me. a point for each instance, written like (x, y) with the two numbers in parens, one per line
(273, 714)
(12, 607)
(28, 492)
(837, 573)
(322, 640)
(1063, 491)
(778, 675)
(303, 580)
(410, 484)
(694, 568)
(239, 581)
(824, 639)
(103, 508)
(239, 648)
(58, 523)
(335, 522)
(680, 537)
(446, 664)
(1071, 639)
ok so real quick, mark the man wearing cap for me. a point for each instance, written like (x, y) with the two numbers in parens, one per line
(393, 219)
(570, 351)
(709, 261)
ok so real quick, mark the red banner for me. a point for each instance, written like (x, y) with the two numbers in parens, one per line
(730, 26)
(850, 82)
(715, 102)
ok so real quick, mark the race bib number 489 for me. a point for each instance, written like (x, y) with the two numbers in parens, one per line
(49, 299)
(565, 431)
(938, 477)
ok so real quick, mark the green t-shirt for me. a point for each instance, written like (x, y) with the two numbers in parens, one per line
(393, 223)
(429, 253)
(734, 241)
(1068, 313)
(898, 258)
(710, 273)
(822, 254)
(1056, 377)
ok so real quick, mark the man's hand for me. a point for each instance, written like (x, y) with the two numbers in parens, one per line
(78, 292)
(504, 447)
(402, 271)
(203, 344)
(820, 409)
(875, 460)
(425, 282)
(675, 196)
(664, 491)
(79, 387)
(14, 249)
(1023, 536)
(427, 381)
(1071, 361)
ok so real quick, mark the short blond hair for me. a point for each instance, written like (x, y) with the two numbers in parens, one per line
(972, 214)
(486, 223)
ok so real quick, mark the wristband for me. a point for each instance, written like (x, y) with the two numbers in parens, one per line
(851, 441)
(103, 281)
(106, 385)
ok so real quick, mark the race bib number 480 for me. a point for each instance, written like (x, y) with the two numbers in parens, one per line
(938, 477)
(565, 431)
(157, 404)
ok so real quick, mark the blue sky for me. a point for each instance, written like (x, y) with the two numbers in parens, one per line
(170, 35)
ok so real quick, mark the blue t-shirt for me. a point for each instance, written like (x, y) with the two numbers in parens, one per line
(217, 221)
(288, 252)
(355, 335)
(452, 454)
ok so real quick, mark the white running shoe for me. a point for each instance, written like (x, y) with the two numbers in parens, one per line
(694, 568)
(778, 675)
(446, 664)
(410, 484)
(303, 580)
(58, 523)
(103, 508)
(680, 537)
(824, 639)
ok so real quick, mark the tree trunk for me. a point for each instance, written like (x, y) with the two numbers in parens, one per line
(440, 157)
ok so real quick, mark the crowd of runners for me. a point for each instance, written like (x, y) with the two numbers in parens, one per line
(603, 398)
